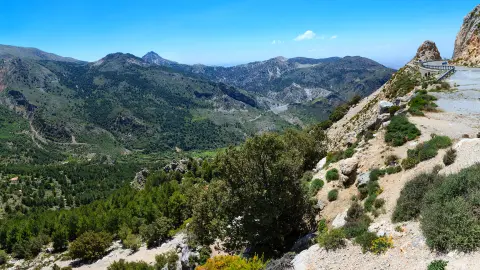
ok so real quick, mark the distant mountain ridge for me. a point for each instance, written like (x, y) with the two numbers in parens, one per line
(123, 103)
(7, 51)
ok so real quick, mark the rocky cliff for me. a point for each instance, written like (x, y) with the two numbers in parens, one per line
(467, 43)
(428, 51)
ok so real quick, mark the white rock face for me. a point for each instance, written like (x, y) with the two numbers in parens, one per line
(339, 220)
(384, 105)
(363, 179)
(347, 166)
(320, 164)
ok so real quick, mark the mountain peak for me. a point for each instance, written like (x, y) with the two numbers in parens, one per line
(428, 51)
(153, 58)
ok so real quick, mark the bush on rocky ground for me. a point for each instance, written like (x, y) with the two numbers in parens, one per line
(332, 195)
(332, 240)
(332, 175)
(437, 265)
(449, 157)
(425, 151)
(223, 262)
(409, 203)
(315, 186)
(400, 130)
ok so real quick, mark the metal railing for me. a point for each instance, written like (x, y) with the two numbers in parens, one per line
(450, 69)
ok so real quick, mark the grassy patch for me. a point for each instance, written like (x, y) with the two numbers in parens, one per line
(400, 130)
(422, 101)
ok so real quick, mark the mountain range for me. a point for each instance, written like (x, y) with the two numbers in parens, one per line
(123, 103)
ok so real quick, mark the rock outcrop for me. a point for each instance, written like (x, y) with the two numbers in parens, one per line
(428, 51)
(467, 43)
(140, 179)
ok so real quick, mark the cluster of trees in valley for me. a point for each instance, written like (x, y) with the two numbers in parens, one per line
(259, 181)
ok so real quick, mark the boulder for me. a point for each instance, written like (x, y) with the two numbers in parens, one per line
(348, 166)
(383, 117)
(363, 179)
(344, 180)
(320, 205)
(140, 179)
(339, 220)
(385, 124)
(384, 105)
(320, 164)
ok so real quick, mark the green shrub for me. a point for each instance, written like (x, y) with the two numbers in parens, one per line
(450, 212)
(355, 100)
(409, 203)
(332, 174)
(400, 130)
(332, 240)
(338, 113)
(449, 157)
(381, 245)
(425, 151)
(90, 246)
(123, 265)
(409, 163)
(375, 174)
(437, 265)
(356, 221)
(225, 262)
(3, 257)
(332, 195)
(391, 160)
(156, 232)
(422, 101)
(315, 186)
(132, 242)
(440, 142)
(60, 239)
(394, 169)
(365, 240)
(363, 192)
(373, 188)
(168, 259)
(349, 152)
(392, 110)
(322, 226)
(368, 204)
(379, 203)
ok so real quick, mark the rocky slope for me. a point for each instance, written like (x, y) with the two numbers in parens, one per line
(467, 43)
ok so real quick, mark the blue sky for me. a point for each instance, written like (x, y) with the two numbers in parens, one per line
(227, 32)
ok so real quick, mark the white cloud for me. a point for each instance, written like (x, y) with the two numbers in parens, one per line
(276, 42)
(309, 34)
(334, 37)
